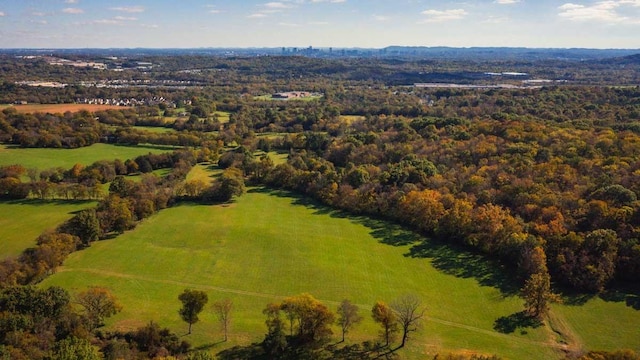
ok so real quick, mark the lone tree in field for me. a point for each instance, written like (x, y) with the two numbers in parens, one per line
(193, 301)
(537, 295)
(384, 315)
(98, 304)
(347, 316)
(409, 313)
(222, 309)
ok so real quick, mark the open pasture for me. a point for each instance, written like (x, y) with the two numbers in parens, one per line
(60, 108)
(48, 158)
(270, 244)
(21, 222)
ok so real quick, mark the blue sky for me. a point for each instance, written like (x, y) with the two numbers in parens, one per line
(319, 23)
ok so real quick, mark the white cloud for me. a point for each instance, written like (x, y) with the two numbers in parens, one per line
(601, 11)
(214, 11)
(107, 22)
(72, 11)
(38, 13)
(70, 1)
(288, 24)
(318, 23)
(128, 9)
(2, 14)
(257, 16)
(328, 1)
(125, 18)
(506, 2)
(444, 15)
(277, 5)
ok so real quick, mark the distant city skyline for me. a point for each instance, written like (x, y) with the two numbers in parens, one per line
(319, 23)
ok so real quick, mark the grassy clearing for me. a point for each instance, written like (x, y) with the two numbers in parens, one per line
(268, 245)
(155, 129)
(21, 222)
(223, 116)
(606, 322)
(60, 108)
(204, 172)
(66, 158)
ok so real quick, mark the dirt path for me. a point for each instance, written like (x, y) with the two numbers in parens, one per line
(560, 326)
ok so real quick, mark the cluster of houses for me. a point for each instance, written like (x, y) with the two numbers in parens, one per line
(292, 95)
(77, 63)
(127, 102)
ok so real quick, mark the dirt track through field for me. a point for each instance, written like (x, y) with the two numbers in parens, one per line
(550, 344)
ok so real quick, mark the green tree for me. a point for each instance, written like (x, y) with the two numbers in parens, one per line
(274, 341)
(222, 310)
(386, 317)
(75, 349)
(347, 316)
(193, 301)
(99, 303)
(84, 225)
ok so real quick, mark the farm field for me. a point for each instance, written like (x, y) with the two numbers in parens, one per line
(47, 158)
(21, 222)
(155, 129)
(269, 245)
(59, 108)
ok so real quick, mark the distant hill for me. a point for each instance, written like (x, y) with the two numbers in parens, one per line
(397, 52)
(507, 53)
(623, 60)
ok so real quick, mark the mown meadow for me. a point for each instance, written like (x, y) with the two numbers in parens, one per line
(21, 222)
(42, 158)
(269, 244)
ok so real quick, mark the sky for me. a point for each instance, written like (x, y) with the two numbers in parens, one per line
(319, 23)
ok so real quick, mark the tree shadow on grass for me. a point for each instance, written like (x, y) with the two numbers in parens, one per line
(449, 258)
(46, 202)
(365, 350)
(627, 293)
(519, 320)
(457, 261)
(208, 346)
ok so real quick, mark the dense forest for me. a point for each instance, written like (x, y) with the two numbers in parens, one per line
(544, 179)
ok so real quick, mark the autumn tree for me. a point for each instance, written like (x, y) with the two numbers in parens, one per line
(538, 295)
(409, 314)
(222, 310)
(99, 303)
(347, 316)
(193, 301)
(313, 318)
(386, 317)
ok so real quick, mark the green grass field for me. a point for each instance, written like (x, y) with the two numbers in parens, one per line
(155, 129)
(21, 222)
(268, 245)
(66, 158)
(223, 116)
